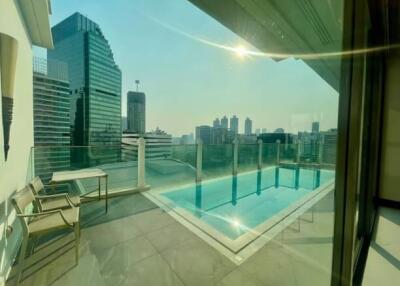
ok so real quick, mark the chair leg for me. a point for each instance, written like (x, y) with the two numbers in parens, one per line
(21, 259)
(33, 245)
(77, 240)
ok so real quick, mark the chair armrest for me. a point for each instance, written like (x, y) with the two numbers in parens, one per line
(51, 185)
(62, 195)
(60, 212)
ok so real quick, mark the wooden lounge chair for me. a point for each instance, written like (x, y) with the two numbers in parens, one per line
(52, 202)
(37, 224)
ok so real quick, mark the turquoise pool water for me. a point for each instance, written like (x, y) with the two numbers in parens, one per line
(234, 205)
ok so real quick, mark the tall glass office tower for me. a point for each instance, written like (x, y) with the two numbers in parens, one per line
(95, 80)
(136, 112)
(51, 117)
(95, 83)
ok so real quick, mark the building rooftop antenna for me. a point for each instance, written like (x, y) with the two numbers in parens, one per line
(137, 82)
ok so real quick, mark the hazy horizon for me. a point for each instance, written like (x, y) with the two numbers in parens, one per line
(189, 83)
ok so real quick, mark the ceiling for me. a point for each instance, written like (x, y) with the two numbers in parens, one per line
(286, 27)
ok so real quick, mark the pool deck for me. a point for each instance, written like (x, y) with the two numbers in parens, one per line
(137, 243)
(241, 248)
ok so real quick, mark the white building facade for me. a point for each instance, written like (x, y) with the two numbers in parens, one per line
(23, 23)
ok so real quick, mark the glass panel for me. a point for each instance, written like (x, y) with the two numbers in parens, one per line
(217, 160)
(247, 157)
(120, 167)
(269, 154)
(217, 71)
(176, 168)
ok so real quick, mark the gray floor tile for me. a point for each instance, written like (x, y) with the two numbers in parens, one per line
(196, 263)
(119, 259)
(112, 233)
(240, 278)
(152, 220)
(271, 266)
(85, 274)
(152, 271)
(170, 236)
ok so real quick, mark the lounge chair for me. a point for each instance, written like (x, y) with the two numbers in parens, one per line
(37, 224)
(52, 202)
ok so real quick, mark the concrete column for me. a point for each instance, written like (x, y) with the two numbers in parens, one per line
(235, 156)
(260, 147)
(141, 163)
(278, 150)
(199, 160)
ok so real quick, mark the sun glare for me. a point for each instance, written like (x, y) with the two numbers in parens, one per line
(241, 51)
(236, 223)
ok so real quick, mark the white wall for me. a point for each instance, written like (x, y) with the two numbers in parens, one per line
(390, 166)
(14, 171)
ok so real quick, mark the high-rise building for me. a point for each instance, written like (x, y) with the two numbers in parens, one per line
(136, 112)
(216, 122)
(224, 122)
(95, 81)
(329, 140)
(234, 124)
(315, 127)
(248, 124)
(186, 139)
(264, 130)
(204, 133)
(51, 117)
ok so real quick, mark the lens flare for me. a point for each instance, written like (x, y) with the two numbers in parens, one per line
(235, 222)
(243, 52)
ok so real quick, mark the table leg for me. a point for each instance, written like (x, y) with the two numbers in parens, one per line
(53, 187)
(106, 193)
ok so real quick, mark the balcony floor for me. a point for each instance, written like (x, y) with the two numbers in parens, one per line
(137, 243)
(383, 262)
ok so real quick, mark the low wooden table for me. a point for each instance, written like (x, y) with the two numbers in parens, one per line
(64, 176)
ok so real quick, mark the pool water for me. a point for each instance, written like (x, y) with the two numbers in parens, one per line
(235, 205)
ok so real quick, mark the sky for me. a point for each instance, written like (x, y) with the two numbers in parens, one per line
(189, 83)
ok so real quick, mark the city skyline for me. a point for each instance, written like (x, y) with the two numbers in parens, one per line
(277, 95)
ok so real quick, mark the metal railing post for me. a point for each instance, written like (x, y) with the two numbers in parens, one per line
(199, 160)
(260, 146)
(141, 163)
(278, 150)
(235, 156)
(298, 152)
(321, 152)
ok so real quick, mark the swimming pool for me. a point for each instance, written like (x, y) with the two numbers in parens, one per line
(234, 210)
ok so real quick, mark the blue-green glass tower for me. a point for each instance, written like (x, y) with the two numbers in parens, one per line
(95, 80)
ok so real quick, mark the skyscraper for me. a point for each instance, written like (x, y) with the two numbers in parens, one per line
(234, 124)
(51, 117)
(136, 112)
(204, 133)
(248, 126)
(315, 127)
(216, 122)
(95, 81)
(224, 122)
